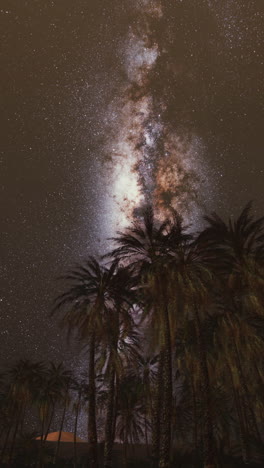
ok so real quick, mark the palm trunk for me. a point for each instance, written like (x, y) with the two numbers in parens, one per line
(165, 446)
(208, 437)
(146, 430)
(92, 430)
(75, 428)
(125, 447)
(49, 423)
(115, 408)
(14, 436)
(110, 415)
(23, 419)
(42, 438)
(61, 428)
(195, 416)
(157, 412)
(108, 445)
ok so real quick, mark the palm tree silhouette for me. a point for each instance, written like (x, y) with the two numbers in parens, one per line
(145, 246)
(121, 346)
(24, 378)
(240, 252)
(89, 304)
(56, 378)
(62, 380)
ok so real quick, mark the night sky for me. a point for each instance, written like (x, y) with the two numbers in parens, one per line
(107, 105)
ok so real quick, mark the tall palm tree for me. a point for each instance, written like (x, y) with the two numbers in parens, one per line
(240, 248)
(191, 282)
(122, 344)
(57, 378)
(63, 381)
(46, 397)
(88, 302)
(144, 247)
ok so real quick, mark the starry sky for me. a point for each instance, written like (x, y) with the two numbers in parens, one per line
(107, 105)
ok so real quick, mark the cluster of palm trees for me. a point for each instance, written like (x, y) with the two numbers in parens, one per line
(173, 324)
(36, 391)
(193, 304)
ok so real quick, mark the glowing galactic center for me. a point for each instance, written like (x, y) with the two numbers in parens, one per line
(150, 163)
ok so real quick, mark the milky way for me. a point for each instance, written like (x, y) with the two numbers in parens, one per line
(149, 163)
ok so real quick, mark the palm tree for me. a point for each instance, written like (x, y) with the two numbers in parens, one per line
(144, 246)
(24, 378)
(56, 378)
(240, 248)
(62, 379)
(46, 397)
(191, 282)
(122, 346)
(140, 247)
(89, 303)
